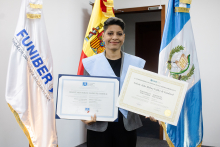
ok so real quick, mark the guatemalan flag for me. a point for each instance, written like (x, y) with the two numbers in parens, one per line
(29, 87)
(178, 60)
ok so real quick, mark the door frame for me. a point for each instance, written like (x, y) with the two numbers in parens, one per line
(144, 9)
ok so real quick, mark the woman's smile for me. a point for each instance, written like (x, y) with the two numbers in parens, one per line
(114, 42)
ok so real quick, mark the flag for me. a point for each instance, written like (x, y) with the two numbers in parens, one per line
(178, 60)
(93, 43)
(29, 87)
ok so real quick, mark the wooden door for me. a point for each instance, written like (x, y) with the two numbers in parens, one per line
(147, 43)
(147, 46)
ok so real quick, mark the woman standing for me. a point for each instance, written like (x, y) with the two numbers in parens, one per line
(113, 62)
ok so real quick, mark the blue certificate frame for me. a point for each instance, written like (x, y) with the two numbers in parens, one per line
(61, 75)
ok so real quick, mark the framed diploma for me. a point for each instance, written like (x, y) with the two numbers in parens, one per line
(149, 94)
(80, 97)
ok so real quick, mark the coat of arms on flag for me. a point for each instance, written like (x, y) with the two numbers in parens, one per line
(179, 67)
(97, 44)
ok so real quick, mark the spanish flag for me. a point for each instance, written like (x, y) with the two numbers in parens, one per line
(93, 43)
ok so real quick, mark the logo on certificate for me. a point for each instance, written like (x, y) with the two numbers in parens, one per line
(87, 110)
(153, 80)
(85, 84)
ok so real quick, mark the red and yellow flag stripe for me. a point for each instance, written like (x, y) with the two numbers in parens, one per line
(102, 10)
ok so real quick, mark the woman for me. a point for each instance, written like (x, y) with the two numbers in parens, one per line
(113, 62)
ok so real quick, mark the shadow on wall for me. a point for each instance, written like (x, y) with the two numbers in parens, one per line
(85, 21)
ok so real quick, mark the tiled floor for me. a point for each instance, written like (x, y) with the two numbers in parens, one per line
(146, 142)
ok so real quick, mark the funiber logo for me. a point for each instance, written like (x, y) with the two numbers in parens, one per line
(37, 67)
(84, 83)
(153, 80)
(87, 110)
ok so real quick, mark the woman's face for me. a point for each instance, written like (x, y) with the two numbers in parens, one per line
(113, 37)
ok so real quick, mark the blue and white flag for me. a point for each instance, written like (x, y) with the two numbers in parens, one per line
(29, 87)
(178, 60)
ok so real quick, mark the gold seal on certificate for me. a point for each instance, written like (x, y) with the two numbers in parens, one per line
(167, 113)
(149, 94)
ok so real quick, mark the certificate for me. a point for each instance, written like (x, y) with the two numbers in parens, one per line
(80, 97)
(150, 94)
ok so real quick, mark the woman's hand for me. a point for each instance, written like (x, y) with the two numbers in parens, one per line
(89, 122)
(154, 120)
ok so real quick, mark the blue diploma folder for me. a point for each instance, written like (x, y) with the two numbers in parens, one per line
(61, 75)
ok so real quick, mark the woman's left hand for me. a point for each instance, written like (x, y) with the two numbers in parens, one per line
(89, 122)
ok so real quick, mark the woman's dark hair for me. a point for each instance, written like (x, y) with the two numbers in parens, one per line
(114, 21)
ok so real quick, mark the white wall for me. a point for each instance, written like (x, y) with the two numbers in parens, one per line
(66, 23)
(206, 27)
(130, 19)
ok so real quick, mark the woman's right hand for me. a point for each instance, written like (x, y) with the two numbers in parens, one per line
(89, 122)
(154, 120)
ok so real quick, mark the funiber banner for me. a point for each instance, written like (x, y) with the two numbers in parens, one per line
(29, 87)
